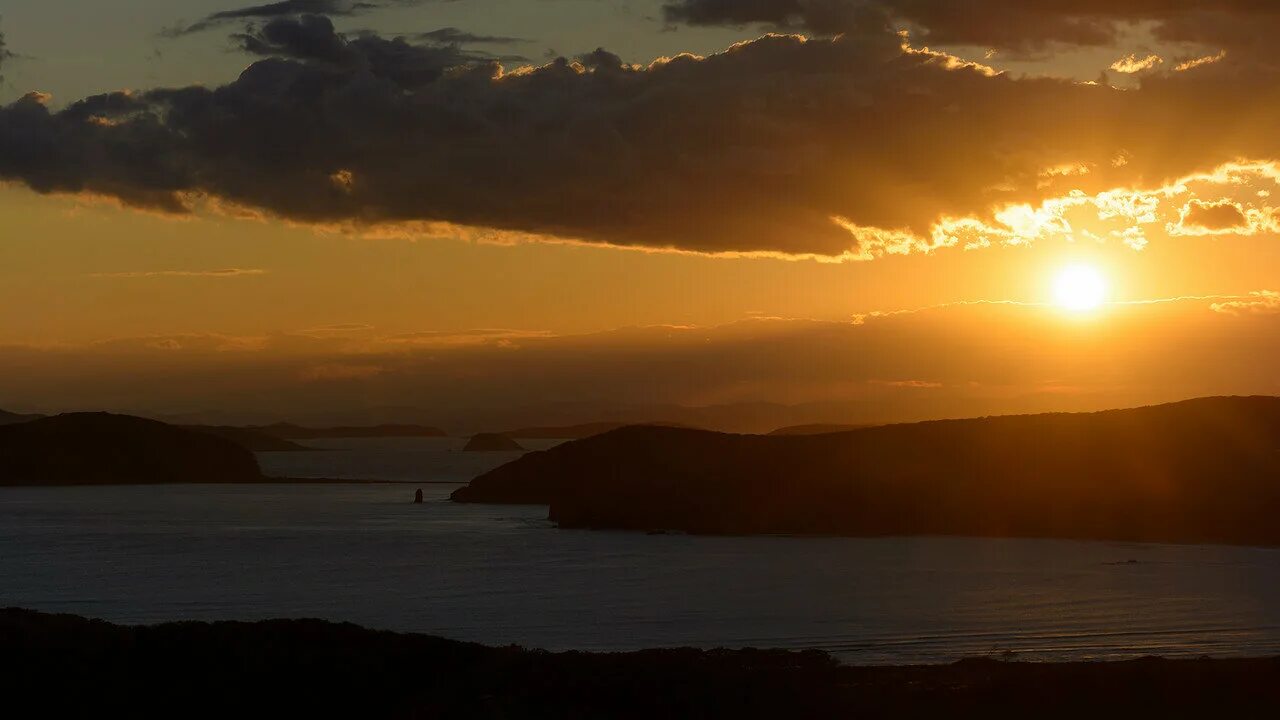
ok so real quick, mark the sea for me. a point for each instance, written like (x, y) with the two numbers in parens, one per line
(504, 575)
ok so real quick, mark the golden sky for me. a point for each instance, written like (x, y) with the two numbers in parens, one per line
(318, 208)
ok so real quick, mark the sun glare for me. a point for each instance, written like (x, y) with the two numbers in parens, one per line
(1079, 288)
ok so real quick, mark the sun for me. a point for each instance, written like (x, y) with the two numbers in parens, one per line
(1079, 288)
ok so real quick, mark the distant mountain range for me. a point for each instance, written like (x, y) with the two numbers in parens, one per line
(289, 431)
(249, 438)
(561, 417)
(579, 419)
(277, 437)
(1204, 470)
(573, 432)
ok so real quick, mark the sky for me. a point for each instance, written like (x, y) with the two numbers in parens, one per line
(473, 212)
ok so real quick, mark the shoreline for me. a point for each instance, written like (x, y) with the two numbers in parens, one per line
(324, 667)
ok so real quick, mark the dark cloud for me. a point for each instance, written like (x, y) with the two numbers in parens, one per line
(313, 38)
(5, 55)
(853, 145)
(309, 37)
(1015, 25)
(826, 17)
(454, 36)
(289, 8)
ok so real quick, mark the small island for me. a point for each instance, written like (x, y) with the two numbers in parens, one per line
(492, 442)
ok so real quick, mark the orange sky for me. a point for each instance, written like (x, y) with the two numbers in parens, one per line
(453, 243)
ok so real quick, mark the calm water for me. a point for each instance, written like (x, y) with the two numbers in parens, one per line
(501, 575)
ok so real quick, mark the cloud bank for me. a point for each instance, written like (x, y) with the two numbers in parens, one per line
(1012, 25)
(286, 9)
(848, 147)
(455, 36)
(956, 360)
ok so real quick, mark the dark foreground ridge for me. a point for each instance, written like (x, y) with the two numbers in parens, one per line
(105, 449)
(1198, 471)
(67, 666)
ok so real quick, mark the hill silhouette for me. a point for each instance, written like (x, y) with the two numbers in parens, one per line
(491, 442)
(69, 666)
(247, 438)
(1203, 470)
(106, 449)
(8, 418)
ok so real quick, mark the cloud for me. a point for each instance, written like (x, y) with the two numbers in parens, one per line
(843, 148)
(193, 344)
(5, 55)
(309, 37)
(1130, 64)
(454, 36)
(1263, 302)
(284, 9)
(909, 384)
(495, 337)
(313, 38)
(827, 17)
(336, 330)
(1011, 25)
(1130, 215)
(1194, 63)
(224, 273)
(962, 359)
